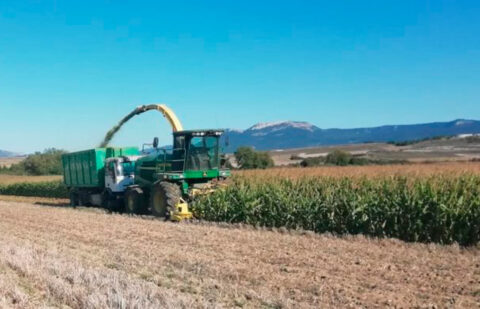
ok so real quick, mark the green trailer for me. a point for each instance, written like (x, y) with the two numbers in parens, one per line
(98, 176)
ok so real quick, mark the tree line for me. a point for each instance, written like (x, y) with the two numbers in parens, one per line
(248, 158)
(48, 162)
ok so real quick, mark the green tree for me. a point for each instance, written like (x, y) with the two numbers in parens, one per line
(48, 162)
(314, 161)
(338, 157)
(248, 158)
(244, 156)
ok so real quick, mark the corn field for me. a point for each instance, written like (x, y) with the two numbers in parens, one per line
(442, 209)
(55, 189)
(434, 203)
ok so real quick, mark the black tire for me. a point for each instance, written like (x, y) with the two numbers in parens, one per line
(163, 198)
(113, 205)
(134, 201)
(74, 199)
(84, 199)
(110, 201)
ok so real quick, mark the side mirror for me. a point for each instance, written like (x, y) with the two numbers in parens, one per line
(155, 142)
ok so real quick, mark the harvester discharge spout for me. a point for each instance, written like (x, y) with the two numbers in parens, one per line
(165, 110)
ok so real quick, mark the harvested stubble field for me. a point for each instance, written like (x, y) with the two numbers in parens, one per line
(61, 257)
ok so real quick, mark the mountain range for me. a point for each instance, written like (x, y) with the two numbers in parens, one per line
(7, 154)
(297, 134)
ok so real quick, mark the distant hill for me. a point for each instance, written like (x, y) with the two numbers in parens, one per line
(8, 154)
(294, 134)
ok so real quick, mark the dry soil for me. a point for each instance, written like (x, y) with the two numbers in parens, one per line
(72, 258)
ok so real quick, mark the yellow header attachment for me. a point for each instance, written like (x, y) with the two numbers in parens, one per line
(167, 113)
(180, 212)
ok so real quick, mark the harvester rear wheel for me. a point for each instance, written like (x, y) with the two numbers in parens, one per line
(163, 198)
(134, 203)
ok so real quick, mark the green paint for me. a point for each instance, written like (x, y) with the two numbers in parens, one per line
(195, 158)
(86, 169)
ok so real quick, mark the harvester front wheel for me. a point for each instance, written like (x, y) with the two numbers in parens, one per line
(134, 203)
(163, 198)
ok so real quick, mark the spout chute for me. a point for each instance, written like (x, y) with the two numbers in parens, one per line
(165, 110)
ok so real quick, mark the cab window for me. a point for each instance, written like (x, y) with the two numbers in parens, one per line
(203, 153)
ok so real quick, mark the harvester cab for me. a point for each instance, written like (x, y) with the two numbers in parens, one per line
(196, 151)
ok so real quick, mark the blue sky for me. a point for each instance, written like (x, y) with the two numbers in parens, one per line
(70, 69)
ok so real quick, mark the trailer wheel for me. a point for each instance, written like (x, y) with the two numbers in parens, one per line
(163, 198)
(84, 199)
(74, 199)
(134, 201)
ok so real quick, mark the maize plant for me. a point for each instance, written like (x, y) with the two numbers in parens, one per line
(442, 209)
(54, 189)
